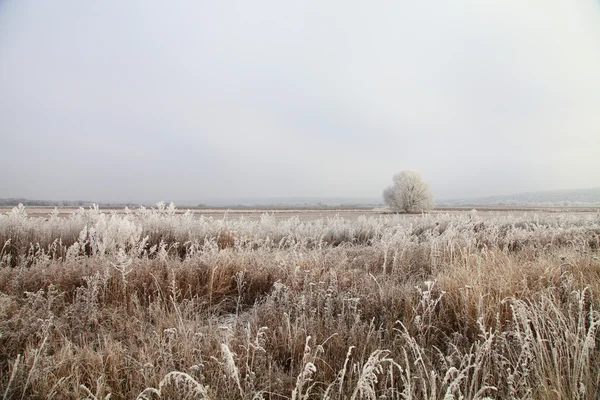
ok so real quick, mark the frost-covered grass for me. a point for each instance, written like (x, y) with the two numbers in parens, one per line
(151, 303)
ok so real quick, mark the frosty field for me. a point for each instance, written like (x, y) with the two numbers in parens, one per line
(162, 303)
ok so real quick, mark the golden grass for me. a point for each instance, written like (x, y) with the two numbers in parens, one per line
(428, 308)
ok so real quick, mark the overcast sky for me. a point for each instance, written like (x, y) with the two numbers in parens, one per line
(146, 100)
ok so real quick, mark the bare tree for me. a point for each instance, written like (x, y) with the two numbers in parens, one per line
(408, 193)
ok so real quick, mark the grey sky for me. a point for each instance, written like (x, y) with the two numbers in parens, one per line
(126, 100)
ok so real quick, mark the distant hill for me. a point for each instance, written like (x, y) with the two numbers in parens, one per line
(554, 198)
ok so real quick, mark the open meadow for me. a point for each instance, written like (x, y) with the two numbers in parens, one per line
(388, 201)
(155, 303)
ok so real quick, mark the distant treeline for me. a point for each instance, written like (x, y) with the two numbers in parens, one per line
(11, 202)
(557, 198)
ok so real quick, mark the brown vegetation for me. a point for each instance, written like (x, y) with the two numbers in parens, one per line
(153, 304)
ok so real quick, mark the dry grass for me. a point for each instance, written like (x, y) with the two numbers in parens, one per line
(153, 304)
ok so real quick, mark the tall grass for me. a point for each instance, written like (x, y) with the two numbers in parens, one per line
(154, 304)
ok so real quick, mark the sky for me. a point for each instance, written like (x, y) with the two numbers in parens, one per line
(195, 100)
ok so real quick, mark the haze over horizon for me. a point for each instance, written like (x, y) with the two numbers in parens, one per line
(574, 197)
(121, 101)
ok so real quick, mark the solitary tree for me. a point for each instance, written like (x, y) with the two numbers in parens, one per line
(408, 193)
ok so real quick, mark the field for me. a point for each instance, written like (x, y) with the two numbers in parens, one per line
(158, 303)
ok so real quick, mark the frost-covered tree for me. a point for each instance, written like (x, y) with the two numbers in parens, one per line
(408, 193)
